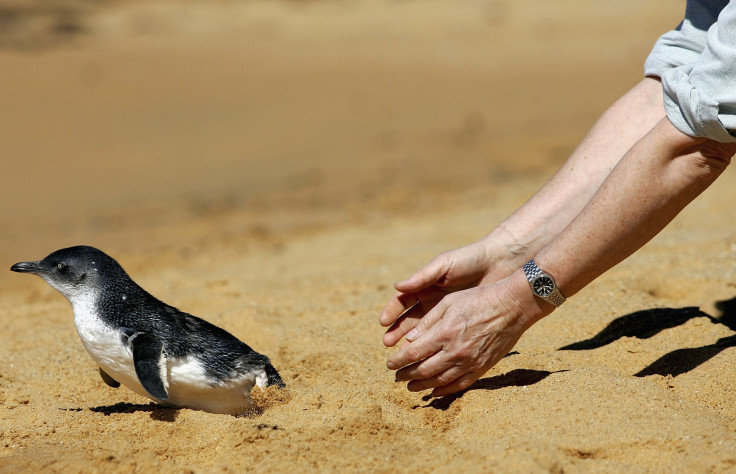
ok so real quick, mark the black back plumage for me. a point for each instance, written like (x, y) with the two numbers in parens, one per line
(123, 304)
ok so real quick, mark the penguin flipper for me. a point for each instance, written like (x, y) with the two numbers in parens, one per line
(149, 362)
(109, 380)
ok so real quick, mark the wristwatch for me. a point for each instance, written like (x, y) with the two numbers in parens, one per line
(543, 285)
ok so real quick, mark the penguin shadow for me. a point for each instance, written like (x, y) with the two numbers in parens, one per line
(647, 323)
(514, 378)
(157, 412)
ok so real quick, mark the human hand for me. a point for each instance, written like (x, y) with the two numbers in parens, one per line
(451, 271)
(465, 334)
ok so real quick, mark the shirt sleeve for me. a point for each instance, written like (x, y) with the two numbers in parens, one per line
(700, 97)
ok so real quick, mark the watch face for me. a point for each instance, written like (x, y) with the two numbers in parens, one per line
(543, 286)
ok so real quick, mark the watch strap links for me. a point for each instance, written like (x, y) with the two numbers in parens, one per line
(532, 272)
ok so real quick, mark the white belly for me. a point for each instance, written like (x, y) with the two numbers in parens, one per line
(187, 383)
(106, 347)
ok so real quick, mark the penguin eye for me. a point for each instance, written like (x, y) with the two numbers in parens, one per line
(60, 266)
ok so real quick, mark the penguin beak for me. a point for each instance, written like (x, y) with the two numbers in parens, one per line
(26, 267)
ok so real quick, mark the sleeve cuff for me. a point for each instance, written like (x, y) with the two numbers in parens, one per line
(692, 110)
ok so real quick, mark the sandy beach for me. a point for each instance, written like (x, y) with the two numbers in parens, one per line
(275, 166)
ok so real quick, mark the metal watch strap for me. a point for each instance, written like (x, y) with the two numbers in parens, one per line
(532, 272)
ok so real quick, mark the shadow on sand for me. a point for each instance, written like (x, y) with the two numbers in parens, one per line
(647, 323)
(515, 378)
(158, 412)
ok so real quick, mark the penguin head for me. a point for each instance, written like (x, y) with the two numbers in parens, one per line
(74, 272)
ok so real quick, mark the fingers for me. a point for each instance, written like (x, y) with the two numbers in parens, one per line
(395, 307)
(441, 379)
(427, 368)
(409, 290)
(459, 384)
(414, 352)
(430, 374)
(405, 324)
(427, 321)
(427, 276)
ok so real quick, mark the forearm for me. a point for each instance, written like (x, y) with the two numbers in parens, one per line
(653, 182)
(549, 211)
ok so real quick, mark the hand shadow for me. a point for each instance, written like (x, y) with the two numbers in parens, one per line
(515, 378)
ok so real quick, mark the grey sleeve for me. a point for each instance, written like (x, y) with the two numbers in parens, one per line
(700, 96)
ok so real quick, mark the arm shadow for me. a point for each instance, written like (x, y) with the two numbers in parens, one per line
(681, 361)
(641, 324)
(727, 313)
(647, 323)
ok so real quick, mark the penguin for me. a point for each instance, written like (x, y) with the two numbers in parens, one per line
(171, 357)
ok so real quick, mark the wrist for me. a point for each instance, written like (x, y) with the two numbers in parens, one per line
(503, 253)
(532, 308)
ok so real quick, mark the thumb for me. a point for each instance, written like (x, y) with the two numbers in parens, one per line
(425, 277)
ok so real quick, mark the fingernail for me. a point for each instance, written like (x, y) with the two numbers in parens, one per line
(412, 334)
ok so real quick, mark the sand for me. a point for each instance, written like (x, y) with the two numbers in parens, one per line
(274, 166)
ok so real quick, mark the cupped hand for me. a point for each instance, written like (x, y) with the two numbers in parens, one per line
(449, 272)
(464, 335)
